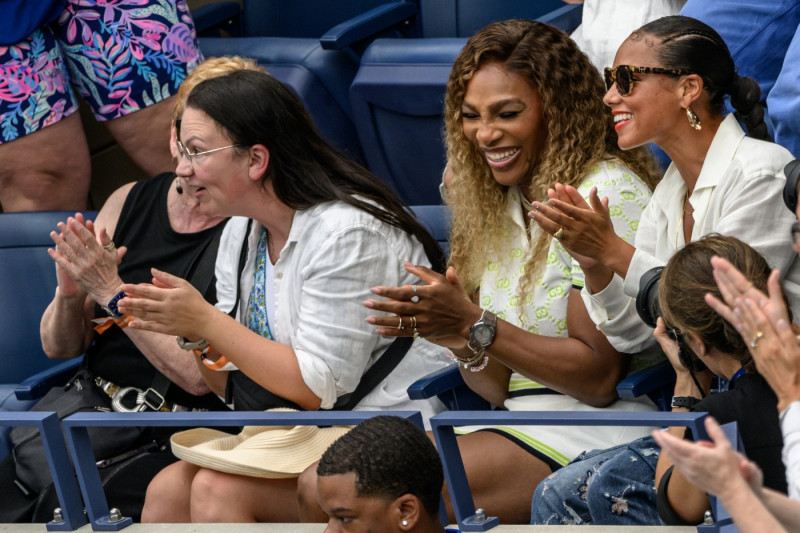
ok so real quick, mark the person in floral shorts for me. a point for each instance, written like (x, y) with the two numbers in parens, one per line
(126, 59)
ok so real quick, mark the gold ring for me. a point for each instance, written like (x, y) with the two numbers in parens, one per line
(559, 234)
(400, 324)
(110, 247)
(756, 338)
(413, 322)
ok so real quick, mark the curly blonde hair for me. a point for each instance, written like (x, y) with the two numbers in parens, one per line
(580, 134)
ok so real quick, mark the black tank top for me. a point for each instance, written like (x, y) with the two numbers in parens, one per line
(145, 229)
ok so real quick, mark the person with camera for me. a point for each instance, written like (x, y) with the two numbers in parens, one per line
(698, 342)
(668, 86)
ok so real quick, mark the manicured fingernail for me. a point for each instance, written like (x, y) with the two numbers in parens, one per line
(375, 290)
(408, 263)
(370, 320)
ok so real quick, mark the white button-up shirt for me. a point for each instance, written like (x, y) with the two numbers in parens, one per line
(738, 193)
(334, 254)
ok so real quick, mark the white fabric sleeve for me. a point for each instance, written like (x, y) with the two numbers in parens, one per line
(612, 310)
(333, 342)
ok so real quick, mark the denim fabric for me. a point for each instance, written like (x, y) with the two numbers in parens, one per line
(609, 487)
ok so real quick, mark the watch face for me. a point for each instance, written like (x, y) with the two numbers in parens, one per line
(483, 335)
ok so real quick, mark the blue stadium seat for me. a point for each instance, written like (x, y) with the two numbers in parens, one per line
(462, 18)
(284, 36)
(398, 94)
(27, 284)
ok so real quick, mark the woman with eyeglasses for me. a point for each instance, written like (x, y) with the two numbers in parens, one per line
(635, 485)
(523, 110)
(312, 232)
(667, 87)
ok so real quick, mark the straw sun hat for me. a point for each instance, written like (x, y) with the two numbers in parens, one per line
(258, 451)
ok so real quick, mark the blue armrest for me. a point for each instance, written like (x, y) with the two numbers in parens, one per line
(448, 385)
(642, 382)
(38, 384)
(371, 23)
(565, 18)
(218, 15)
(436, 383)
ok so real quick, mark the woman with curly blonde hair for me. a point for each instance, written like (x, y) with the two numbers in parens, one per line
(524, 110)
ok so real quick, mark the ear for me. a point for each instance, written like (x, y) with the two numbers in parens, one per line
(405, 511)
(259, 161)
(697, 345)
(173, 138)
(691, 87)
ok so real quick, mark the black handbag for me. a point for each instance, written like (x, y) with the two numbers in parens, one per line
(80, 394)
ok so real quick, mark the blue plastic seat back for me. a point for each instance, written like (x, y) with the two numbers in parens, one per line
(398, 99)
(321, 78)
(27, 285)
(300, 18)
(462, 18)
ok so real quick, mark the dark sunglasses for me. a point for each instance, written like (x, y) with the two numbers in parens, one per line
(622, 75)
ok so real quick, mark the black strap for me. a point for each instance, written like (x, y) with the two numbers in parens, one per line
(240, 269)
(200, 274)
(376, 373)
(371, 378)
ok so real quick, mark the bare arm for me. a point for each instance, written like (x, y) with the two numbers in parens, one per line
(586, 366)
(87, 270)
(173, 307)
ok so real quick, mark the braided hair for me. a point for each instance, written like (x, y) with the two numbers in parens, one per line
(688, 44)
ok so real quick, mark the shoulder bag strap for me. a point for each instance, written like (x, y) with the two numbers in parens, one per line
(376, 373)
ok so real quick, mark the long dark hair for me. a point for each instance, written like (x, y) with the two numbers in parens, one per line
(304, 170)
(688, 44)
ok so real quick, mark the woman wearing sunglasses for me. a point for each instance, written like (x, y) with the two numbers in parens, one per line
(668, 87)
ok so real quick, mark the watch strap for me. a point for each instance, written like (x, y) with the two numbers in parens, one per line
(686, 402)
(111, 306)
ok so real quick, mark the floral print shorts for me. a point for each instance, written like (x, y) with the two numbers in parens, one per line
(120, 55)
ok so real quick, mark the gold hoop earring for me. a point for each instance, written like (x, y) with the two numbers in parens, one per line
(694, 120)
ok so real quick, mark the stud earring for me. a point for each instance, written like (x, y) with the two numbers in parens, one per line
(694, 120)
(404, 523)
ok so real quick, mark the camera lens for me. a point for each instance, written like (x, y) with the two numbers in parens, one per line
(647, 297)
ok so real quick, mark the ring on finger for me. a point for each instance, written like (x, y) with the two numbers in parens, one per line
(756, 338)
(415, 297)
(110, 247)
(416, 333)
(413, 322)
(559, 234)
(400, 324)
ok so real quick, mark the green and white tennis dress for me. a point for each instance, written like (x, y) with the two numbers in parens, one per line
(544, 312)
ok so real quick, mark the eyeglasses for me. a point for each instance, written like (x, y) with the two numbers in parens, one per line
(623, 76)
(192, 156)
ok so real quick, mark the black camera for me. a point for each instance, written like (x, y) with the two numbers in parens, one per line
(649, 310)
(647, 297)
